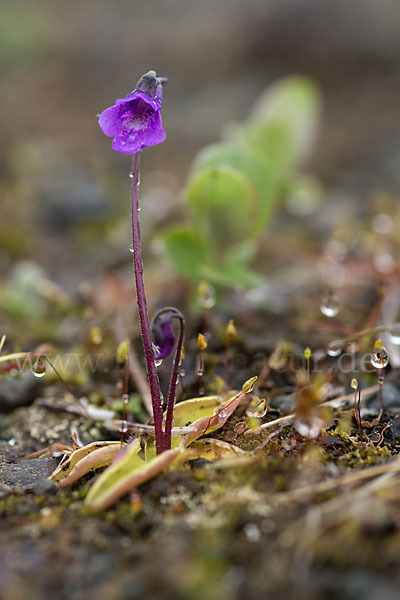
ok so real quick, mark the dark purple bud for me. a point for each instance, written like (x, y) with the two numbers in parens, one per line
(147, 84)
(162, 331)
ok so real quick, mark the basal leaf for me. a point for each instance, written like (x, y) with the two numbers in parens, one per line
(127, 472)
(83, 460)
(275, 141)
(251, 162)
(188, 252)
(223, 205)
(294, 102)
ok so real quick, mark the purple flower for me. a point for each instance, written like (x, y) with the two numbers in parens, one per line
(162, 331)
(135, 121)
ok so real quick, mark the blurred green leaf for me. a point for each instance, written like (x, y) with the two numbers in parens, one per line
(276, 143)
(236, 185)
(187, 251)
(233, 274)
(295, 103)
(223, 206)
(243, 253)
(251, 163)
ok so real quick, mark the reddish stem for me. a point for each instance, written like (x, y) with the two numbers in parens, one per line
(125, 400)
(200, 372)
(142, 308)
(172, 385)
(358, 415)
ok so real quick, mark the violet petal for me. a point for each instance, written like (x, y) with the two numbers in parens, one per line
(135, 121)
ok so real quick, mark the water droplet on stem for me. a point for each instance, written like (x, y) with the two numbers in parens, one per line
(248, 385)
(330, 306)
(206, 297)
(380, 359)
(39, 368)
(334, 349)
(309, 428)
(257, 408)
(394, 334)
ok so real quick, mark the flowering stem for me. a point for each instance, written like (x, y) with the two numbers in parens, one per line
(172, 385)
(142, 308)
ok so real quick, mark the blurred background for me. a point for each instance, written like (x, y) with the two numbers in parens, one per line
(65, 193)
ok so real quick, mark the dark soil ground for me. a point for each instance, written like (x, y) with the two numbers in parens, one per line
(296, 518)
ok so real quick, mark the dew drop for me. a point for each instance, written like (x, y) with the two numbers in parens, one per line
(130, 175)
(156, 352)
(131, 249)
(380, 359)
(382, 224)
(124, 427)
(206, 297)
(200, 372)
(248, 385)
(310, 428)
(252, 532)
(394, 334)
(223, 413)
(334, 349)
(39, 368)
(384, 262)
(330, 306)
(257, 408)
(125, 399)
(182, 373)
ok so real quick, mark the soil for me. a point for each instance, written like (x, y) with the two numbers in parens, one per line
(287, 522)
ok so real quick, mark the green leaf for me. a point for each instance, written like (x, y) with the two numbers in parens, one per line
(241, 274)
(233, 275)
(252, 163)
(294, 102)
(222, 203)
(275, 141)
(187, 251)
(243, 253)
(126, 473)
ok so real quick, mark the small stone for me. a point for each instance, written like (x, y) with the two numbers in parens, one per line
(43, 486)
(284, 402)
(18, 392)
